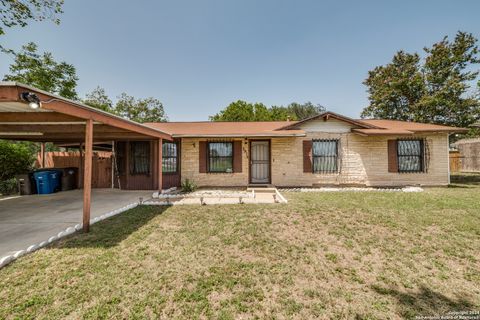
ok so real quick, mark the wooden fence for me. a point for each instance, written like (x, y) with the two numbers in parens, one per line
(455, 161)
(101, 169)
(470, 154)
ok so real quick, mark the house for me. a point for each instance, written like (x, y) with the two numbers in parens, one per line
(328, 149)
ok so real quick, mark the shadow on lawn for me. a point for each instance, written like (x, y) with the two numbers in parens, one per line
(112, 231)
(470, 179)
(426, 302)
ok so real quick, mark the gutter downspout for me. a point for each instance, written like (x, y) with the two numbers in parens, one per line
(448, 157)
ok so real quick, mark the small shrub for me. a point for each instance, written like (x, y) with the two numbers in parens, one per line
(188, 185)
(8, 187)
(15, 158)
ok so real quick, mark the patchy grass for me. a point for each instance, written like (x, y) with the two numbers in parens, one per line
(324, 255)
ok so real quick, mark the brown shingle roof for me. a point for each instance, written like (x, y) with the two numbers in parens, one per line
(227, 129)
(291, 128)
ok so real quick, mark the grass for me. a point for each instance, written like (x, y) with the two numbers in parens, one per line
(330, 255)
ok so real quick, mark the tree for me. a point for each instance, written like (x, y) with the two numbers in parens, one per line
(281, 113)
(99, 99)
(43, 72)
(395, 89)
(140, 110)
(19, 12)
(244, 111)
(299, 111)
(433, 90)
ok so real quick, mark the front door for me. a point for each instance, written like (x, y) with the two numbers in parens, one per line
(260, 161)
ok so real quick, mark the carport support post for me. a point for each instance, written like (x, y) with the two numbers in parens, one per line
(87, 174)
(42, 154)
(160, 165)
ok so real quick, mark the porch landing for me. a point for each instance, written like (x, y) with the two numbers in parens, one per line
(216, 196)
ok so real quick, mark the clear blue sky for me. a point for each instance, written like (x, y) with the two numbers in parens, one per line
(198, 56)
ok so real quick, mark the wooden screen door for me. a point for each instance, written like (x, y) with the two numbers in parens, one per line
(260, 161)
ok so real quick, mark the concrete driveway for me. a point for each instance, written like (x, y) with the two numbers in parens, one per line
(26, 220)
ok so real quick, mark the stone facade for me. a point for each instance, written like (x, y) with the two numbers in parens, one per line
(363, 161)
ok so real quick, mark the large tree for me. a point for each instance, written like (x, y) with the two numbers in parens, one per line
(299, 111)
(20, 12)
(436, 89)
(99, 99)
(140, 110)
(244, 111)
(43, 71)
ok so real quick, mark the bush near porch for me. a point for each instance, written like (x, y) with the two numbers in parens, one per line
(323, 255)
(15, 158)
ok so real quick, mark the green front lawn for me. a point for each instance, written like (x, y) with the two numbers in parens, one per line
(364, 255)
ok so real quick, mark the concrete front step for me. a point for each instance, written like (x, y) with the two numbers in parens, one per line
(262, 190)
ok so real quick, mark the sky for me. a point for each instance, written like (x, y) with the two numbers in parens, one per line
(197, 56)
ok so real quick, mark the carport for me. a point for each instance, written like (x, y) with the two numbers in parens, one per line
(30, 114)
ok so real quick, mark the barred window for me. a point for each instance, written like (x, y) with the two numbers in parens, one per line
(220, 157)
(410, 155)
(140, 157)
(169, 157)
(325, 156)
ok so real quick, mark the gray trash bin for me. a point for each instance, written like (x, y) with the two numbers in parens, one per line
(26, 184)
(69, 178)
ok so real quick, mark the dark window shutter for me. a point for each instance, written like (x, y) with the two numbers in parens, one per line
(392, 156)
(307, 156)
(237, 156)
(202, 157)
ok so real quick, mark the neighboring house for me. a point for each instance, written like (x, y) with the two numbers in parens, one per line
(328, 149)
(469, 150)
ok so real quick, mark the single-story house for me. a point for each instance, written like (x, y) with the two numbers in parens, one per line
(327, 149)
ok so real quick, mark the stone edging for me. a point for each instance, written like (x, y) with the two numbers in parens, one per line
(353, 189)
(70, 230)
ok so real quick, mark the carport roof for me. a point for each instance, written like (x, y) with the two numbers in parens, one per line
(62, 120)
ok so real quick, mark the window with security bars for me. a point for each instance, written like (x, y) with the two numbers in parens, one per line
(169, 157)
(410, 155)
(325, 156)
(220, 157)
(140, 157)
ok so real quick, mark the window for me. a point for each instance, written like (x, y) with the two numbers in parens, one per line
(220, 157)
(410, 155)
(325, 156)
(169, 157)
(140, 157)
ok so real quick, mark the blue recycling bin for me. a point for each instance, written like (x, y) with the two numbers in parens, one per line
(47, 181)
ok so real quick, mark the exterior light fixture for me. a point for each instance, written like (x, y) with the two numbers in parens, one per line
(32, 99)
